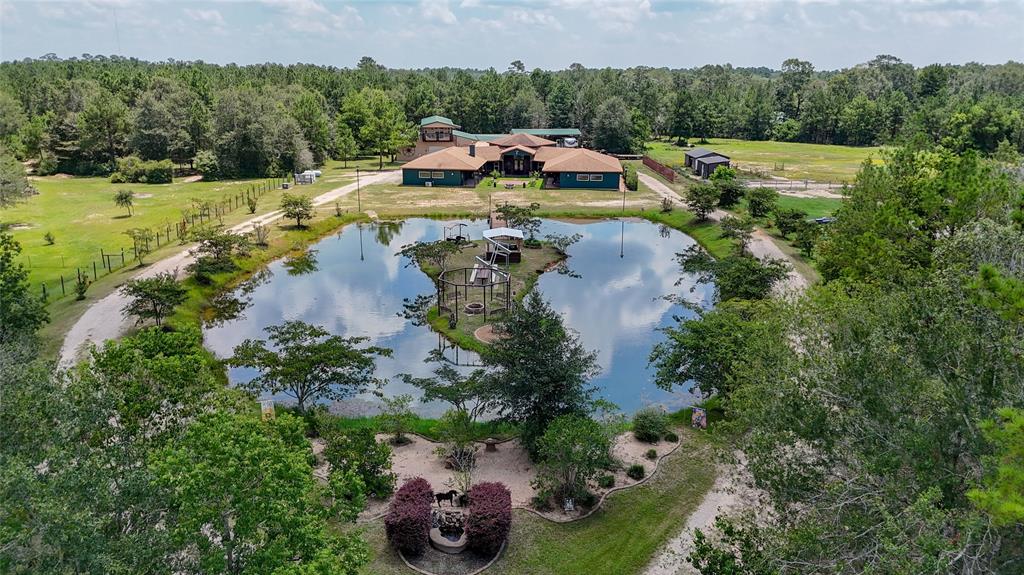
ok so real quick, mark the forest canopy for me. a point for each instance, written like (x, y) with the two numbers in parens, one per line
(77, 115)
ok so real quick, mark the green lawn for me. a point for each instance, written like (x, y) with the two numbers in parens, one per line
(621, 538)
(815, 207)
(82, 216)
(816, 162)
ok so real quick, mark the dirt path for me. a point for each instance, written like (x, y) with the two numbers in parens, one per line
(103, 319)
(761, 244)
(731, 492)
(798, 188)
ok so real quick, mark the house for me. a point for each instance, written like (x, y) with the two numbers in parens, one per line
(704, 162)
(437, 133)
(518, 154)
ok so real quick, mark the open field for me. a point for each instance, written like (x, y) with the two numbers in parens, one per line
(816, 162)
(620, 538)
(82, 216)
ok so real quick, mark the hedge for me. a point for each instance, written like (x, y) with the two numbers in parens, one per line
(490, 517)
(132, 169)
(631, 177)
(407, 523)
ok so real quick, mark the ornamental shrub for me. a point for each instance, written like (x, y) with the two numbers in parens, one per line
(631, 178)
(649, 424)
(490, 517)
(636, 471)
(407, 523)
(651, 454)
(606, 481)
(131, 169)
(671, 437)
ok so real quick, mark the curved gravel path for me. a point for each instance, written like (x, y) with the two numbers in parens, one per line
(761, 244)
(731, 491)
(103, 319)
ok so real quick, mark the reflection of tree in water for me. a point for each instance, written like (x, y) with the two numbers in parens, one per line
(664, 231)
(415, 309)
(301, 264)
(385, 231)
(228, 305)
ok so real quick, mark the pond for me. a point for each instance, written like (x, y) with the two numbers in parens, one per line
(353, 284)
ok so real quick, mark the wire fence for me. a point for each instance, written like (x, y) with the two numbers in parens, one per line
(199, 213)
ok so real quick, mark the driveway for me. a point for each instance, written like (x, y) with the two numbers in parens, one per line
(103, 319)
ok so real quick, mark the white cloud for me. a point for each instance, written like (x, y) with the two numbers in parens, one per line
(311, 16)
(208, 16)
(534, 18)
(438, 10)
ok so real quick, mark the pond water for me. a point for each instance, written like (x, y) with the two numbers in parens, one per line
(353, 284)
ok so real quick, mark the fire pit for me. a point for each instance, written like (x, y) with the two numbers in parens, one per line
(474, 308)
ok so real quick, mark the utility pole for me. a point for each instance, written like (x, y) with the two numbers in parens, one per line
(359, 201)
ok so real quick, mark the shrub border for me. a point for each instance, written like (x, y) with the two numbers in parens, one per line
(595, 508)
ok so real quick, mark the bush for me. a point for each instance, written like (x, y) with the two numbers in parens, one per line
(49, 238)
(407, 524)
(649, 424)
(761, 201)
(131, 169)
(207, 165)
(666, 205)
(631, 177)
(359, 450)
(671, 437)
(651, 454)
(490, 517)
(636, 471)
(606, 481)
(586, 499)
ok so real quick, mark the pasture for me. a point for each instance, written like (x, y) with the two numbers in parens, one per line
(795, 161)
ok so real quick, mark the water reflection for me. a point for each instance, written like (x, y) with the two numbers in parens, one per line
(360, 287)
(301, 264)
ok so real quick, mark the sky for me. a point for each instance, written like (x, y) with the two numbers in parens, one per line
(549, 34)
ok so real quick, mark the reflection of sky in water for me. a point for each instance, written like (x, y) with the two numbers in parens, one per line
(360, 285)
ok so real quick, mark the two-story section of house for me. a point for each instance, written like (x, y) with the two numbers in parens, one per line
(436, 134)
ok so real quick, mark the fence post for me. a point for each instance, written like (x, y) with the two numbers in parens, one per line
(44, 290)
(122, 257)
(94, 276)
(62, 292)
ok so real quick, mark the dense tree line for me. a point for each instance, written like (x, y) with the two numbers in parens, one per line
(880, 412)
(77, 115)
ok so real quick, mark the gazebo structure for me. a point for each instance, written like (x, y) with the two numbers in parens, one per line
(484, 288)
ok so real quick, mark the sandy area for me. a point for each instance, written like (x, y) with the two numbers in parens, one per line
(190, 179)
(509, 465)
(732, 492)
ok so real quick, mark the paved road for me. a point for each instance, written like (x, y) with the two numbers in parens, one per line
(761, 244)
(103, 319)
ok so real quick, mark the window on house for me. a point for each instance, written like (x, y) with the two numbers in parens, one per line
(424, 175)
(582, 177)
(437, 175)
(596, 177)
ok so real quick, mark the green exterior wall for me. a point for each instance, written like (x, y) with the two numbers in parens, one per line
(568, 180)
(451, 178)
